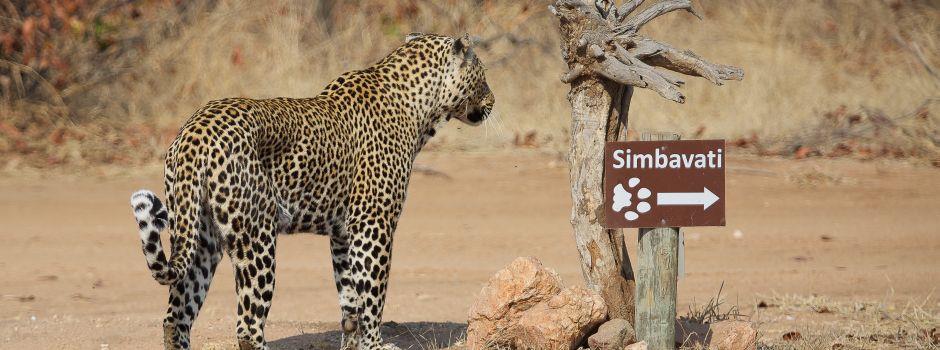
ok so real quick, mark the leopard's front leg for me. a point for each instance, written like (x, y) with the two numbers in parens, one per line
(370, 231)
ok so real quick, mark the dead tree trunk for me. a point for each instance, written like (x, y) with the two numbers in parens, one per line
(606, 58)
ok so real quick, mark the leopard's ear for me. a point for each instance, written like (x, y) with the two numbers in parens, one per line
(463, 48)
(462, 45)
(412, 36)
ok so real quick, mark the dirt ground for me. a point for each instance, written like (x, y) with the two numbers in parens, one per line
(74, 276)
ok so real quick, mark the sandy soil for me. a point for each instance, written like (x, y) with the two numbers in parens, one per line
(74, 276)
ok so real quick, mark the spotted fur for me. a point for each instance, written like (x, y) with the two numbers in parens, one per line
(338, 164)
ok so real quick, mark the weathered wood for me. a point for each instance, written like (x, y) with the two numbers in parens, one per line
(657, 275)
(601, 42)
(627, 8)
(622, 286)
(606, 58)
(657, 278)
(602, 252)
(634, 24)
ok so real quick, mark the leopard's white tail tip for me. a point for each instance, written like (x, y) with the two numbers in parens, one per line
(151, 218)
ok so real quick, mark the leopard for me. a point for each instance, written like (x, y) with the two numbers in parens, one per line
(243, 171)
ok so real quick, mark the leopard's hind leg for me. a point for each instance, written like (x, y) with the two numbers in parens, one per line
(244, 206)
(346, 289)
(189, 293)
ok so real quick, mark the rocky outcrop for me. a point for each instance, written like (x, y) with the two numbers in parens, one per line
(524, 306)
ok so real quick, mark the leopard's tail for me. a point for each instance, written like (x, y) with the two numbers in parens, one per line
(151, 217)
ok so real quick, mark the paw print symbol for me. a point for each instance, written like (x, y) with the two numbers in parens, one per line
(623, 199)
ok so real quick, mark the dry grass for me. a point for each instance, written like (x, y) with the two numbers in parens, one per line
(863, 134)
(797, 322)
(817, 176)
(801, 60)
(816, 322)
(714, 310)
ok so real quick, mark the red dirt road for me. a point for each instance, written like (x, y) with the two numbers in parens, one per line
(74, 276)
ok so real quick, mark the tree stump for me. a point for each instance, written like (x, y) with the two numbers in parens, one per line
(607, 58)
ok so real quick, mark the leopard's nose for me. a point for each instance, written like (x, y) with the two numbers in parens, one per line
(476, 116)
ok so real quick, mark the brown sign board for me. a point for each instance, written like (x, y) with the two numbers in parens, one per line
(664, 183)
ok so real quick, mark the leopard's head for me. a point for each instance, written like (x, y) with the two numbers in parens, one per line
(465, 94)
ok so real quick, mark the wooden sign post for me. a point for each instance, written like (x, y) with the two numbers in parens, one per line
(658, 185)
(607, 57)
(656, 284)
(657, 281)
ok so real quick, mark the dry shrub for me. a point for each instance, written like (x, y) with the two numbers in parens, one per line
(162, 59)
(817, 176)
(292, 49)
(714, 310)
(60, 63)
(801, 59)
(867, 134)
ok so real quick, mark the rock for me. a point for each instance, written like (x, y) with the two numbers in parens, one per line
(561, 323)
(636, 346)
(524, 307)
(512, 290)
(721, 335)
(733, 335)
(612, 335)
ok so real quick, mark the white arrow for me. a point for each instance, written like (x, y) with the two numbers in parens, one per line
(705, 198)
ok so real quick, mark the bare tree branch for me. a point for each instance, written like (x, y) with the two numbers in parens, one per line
(627, 8)
(634, 24)
(683, 61)
(595, 51)
(577, 5)
(574, 73)
(916, 51)
(639, 77)
(603, 42)
(625, 57)
(604, 7)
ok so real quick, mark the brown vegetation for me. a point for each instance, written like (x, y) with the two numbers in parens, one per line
(110, 81)
(815, 322)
